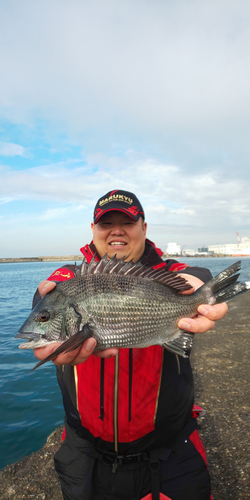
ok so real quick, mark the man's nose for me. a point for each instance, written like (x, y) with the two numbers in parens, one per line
(117, 229)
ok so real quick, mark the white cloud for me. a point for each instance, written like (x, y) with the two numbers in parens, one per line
(168, 193)
(5, 200)
(183, 211)
(166, 81)
(164, 69)
(10, 149)
(157, 210)
(62, 212)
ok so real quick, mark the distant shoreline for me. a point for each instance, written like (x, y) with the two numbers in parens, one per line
(68, 258)
(41, 259)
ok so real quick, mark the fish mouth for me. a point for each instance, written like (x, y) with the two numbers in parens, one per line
(33, 340)
(28, 335)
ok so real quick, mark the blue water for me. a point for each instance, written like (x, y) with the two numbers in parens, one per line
(31, 403)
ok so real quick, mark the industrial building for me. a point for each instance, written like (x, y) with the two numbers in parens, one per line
(240, 249)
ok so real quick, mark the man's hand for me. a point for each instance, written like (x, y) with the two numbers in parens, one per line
(45, 287)
(207, 316)
(77, 356)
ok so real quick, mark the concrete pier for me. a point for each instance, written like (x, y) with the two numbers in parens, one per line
(67, 258)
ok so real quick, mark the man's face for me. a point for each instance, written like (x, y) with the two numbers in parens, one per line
(117, 234)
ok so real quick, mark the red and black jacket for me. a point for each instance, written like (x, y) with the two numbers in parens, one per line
(138, 400)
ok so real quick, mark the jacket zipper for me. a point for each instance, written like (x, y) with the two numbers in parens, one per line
(130, 384)
(178, 363)
(116, 403)
(101, 416)
(159, 387)
(76, 387)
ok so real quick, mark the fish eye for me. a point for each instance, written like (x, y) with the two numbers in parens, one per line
(43, 316)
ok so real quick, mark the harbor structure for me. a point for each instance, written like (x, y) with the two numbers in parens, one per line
(188, 252)
(240, 249)
(173, 249)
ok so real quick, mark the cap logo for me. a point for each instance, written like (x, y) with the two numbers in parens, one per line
(116, 197)
(98, 212)
(133, 210)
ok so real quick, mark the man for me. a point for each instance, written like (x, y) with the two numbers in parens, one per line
(130, 431)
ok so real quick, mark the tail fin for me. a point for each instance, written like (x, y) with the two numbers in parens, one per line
(225, 286)
(219, 289)
(230, 292)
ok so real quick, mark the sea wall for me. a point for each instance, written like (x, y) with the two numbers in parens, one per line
(70, 258)
(67, 258)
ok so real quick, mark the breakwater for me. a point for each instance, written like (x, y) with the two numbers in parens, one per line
(69, 258)
(66, 258)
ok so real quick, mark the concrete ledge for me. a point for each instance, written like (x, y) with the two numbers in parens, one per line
(67, 258)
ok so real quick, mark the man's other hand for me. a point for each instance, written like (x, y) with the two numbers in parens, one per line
(207, 316)
(45, 287)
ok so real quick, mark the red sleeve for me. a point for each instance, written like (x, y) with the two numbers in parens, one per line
(178, 266)
(61, 274)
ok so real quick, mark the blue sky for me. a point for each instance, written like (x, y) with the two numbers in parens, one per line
(152, 97)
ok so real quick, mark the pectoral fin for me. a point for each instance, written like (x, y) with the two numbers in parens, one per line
(182, 345)
(69, 345)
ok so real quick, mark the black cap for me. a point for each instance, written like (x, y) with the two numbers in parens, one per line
(123, 201)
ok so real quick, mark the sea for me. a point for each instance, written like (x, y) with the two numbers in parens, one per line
(30, 402)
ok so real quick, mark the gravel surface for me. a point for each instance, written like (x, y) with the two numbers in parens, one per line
(220, 360)
(33, 477)
(222, 380)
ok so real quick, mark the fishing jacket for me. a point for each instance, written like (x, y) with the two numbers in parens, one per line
(139, 400)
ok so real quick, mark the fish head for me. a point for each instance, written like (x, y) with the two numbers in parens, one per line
(54, 319)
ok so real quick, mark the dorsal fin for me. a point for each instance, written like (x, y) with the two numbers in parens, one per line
(115, 266)
(84, 267)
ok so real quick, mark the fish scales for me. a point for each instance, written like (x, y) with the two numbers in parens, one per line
(120, 306)
(124, 312)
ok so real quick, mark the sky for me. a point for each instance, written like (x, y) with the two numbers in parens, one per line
(147, 96)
